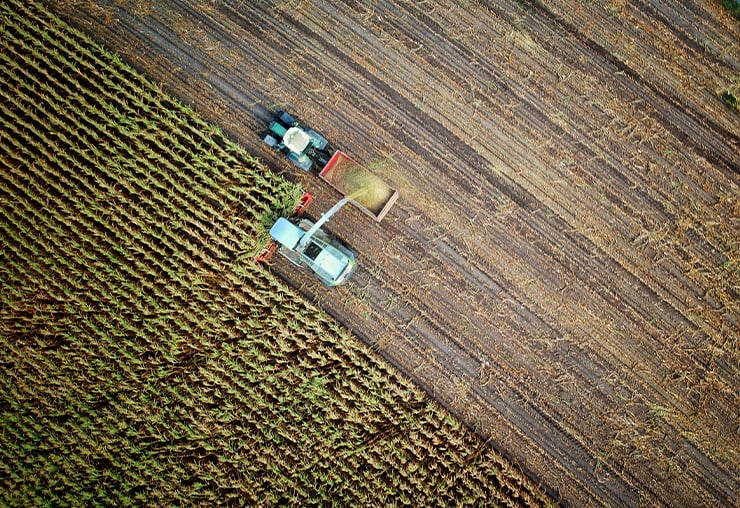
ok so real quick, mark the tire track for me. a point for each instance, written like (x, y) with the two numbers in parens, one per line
(683, 123)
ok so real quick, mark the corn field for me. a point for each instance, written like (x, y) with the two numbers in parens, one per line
(145, 359)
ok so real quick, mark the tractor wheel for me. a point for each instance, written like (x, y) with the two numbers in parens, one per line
(270, 140)
(322, 158)
(286, 119)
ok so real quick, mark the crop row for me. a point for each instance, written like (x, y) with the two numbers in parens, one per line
(86, 127)
(144, 358)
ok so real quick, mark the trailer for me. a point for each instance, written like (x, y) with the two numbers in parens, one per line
(374, 196)
(308, 149)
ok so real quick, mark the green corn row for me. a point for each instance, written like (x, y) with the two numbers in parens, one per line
(144, 358)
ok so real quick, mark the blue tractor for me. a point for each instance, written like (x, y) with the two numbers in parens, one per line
(303, 146)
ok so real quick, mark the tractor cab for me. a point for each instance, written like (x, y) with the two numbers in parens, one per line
(296, 140)
(302, 145)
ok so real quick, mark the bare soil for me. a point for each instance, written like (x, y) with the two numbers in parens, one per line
(561, 269)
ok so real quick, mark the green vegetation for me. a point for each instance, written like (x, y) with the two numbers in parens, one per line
(733, 6)
(730, 99)
(145, 359)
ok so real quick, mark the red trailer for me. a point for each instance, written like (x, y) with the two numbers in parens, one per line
(374, 196)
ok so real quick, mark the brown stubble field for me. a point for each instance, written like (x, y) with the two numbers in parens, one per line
(561, 269)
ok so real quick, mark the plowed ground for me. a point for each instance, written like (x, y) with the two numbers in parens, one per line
(561, 269)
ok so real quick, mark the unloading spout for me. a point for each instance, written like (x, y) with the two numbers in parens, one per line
(328, 215)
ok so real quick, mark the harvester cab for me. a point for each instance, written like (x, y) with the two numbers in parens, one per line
(304, 243)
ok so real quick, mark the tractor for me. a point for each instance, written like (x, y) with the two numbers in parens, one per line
(308, 149)
(303, 146)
